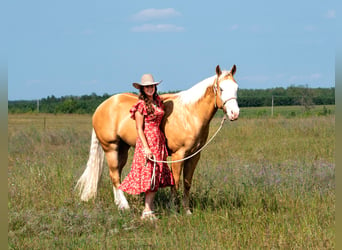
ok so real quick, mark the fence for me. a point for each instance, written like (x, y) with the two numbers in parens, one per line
(287, 105)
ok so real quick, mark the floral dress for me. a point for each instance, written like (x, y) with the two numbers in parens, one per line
(138, 179)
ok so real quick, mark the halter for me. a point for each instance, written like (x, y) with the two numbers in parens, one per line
(215, 88)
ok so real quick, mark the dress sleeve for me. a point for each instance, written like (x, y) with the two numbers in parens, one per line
(139, 106)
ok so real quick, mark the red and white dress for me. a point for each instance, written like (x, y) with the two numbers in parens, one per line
(138, 179)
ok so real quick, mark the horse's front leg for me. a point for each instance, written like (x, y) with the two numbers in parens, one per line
(116, 159)
(176, 172)
(188, 171)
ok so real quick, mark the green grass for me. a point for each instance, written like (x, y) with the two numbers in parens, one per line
(262, 183)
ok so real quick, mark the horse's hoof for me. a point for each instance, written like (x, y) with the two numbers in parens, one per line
(188, 212)
(123, 207)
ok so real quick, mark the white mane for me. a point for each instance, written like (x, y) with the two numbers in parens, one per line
(195, 92)
(198, 90)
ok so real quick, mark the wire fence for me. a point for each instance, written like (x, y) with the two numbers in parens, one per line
(277, 100)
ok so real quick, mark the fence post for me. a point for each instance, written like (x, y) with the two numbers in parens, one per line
(272, 105)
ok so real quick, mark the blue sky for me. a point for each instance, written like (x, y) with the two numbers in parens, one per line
(82, 47)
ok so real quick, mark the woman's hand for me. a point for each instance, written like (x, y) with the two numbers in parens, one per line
(148, 153)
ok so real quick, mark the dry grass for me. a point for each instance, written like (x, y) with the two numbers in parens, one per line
(262, 183)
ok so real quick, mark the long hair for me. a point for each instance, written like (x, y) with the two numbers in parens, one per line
(148, 102)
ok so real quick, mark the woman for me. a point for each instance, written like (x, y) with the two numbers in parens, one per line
(145, 175)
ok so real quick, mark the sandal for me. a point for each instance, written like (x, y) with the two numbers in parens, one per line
(149, 215)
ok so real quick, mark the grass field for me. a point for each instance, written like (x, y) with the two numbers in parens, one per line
(263, 183)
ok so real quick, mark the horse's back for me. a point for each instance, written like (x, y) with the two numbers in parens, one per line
(168, 96)
(112, 122)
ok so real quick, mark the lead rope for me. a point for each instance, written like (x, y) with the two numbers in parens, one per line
(188, 157)
(153, 177)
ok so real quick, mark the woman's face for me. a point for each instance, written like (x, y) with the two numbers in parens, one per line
(149, 90)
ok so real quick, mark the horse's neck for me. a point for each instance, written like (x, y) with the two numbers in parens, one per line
(207, 104)
(191, 120)
(204, 109)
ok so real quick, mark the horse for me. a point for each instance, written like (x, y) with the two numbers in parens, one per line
(185, 125)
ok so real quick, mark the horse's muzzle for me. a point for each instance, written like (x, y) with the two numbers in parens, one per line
(231, 114)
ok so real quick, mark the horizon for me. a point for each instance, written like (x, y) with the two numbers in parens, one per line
(162, 92)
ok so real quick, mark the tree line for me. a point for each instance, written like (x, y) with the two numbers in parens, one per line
(86, 104)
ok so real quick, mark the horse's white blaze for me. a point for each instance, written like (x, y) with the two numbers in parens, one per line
(229, 94)
(233, 110)
(120, 199)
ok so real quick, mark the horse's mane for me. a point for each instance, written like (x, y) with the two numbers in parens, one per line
(197, 91)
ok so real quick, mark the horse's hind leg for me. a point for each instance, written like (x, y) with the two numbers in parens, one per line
(188, 172)
(116, 159)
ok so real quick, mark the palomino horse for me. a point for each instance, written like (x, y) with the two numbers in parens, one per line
(185, 124)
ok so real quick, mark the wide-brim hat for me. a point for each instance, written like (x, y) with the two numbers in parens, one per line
(146, 80)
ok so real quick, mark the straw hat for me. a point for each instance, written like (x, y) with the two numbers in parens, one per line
(146, 80)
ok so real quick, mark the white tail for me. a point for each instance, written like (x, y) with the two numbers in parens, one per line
(87, 184)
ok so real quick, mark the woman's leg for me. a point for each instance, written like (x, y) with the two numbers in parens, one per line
(149, 198)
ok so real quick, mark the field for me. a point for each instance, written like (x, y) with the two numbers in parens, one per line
(263, 183)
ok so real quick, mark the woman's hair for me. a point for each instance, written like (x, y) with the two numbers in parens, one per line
(148, 102)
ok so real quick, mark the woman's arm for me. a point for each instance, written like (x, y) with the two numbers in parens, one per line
(139, 122)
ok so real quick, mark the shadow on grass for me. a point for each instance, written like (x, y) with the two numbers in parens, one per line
(200, 200)
(265, 199)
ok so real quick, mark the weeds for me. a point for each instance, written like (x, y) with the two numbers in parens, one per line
(262, 183)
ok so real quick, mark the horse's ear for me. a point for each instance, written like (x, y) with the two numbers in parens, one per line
(233, 70)
(218, 70)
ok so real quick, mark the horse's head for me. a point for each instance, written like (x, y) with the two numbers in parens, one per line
(225, 88)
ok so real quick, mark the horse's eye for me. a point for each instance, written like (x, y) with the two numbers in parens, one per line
(221, 89)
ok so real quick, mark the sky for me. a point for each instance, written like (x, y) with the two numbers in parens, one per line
(62, 48)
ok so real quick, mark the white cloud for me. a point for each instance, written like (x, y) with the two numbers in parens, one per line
(304, 78)
(315, 76)
(88, 32)
(255, 28)
(330, 14)
(150, 14)
(310, 28)
(255, 78)
(234, 27)
(90, 82)
(157, 28)
(294, 79)
(33, 82)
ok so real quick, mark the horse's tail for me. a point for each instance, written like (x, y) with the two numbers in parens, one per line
(87, 184)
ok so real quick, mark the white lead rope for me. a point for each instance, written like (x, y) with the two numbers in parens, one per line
(153, 177)
(188, 157)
